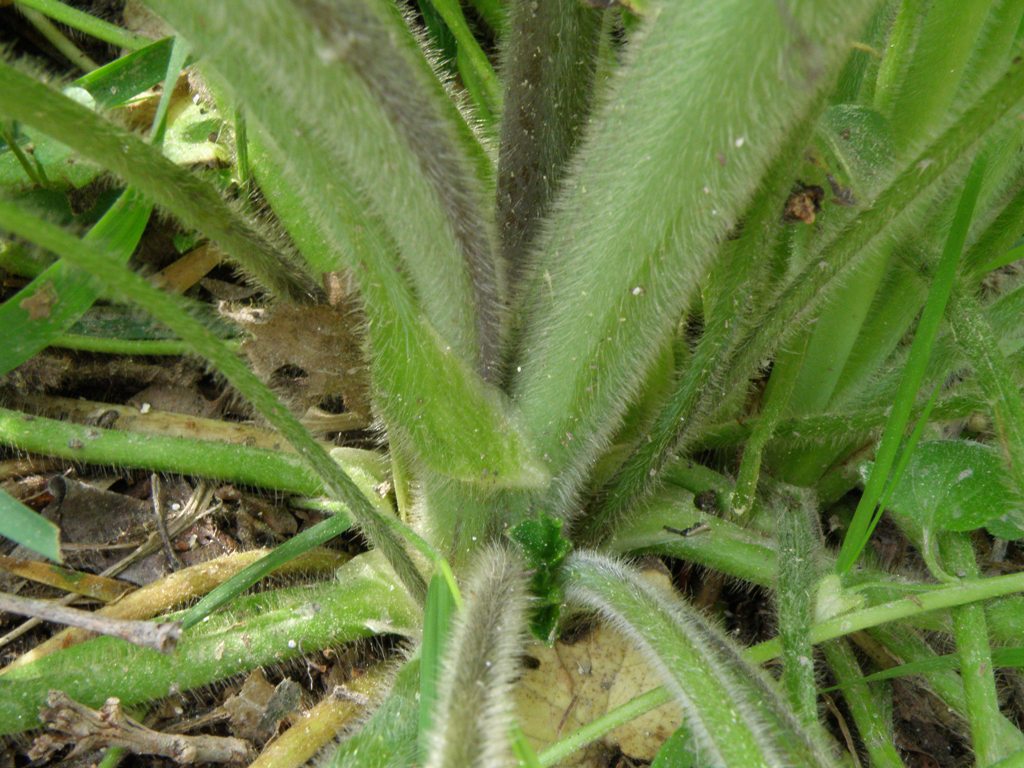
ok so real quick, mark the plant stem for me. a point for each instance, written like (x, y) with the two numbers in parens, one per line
(976, 669)
(798, 572)
(111, 346)
(59, 40)
(967, 591)
(875, 729)
(608, 722)
(90, 25)
(202, 458)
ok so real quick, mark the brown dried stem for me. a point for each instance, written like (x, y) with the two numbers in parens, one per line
(88, 729)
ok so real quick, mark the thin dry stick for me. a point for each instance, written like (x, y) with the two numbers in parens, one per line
(196, 508)
(162, 636)
(69, 722)
(173, 561)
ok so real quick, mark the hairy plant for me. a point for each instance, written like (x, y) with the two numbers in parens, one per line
(671, 277)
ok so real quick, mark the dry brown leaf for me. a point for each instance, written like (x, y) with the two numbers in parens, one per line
(577, 682)
(309, 353)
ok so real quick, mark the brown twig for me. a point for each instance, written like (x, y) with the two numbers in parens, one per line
(162, 636)
(88, 729)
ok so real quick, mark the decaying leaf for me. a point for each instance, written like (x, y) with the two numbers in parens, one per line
(311, 354)
(259, 707)
(576, 682)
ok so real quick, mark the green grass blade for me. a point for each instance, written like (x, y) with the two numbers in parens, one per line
(48, 306)
(175, 63)
(297, 545)
(592, 731)
(438, 613)
(494, 13)
(864, 518)
(26, 527)
(196, 204)
(477, 73)
(126, 77)
(471, 722)
(521, 749)
(56, 37)
(945, 41)
(611, 289)
(174, 312)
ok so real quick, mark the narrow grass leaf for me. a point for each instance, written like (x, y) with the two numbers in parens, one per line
(124, 78)
(29, 529)
(477, 73)
(942, 48)
(524, 754)
(299, 544)
(470, 724)
(865, 518)
(438, 613)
